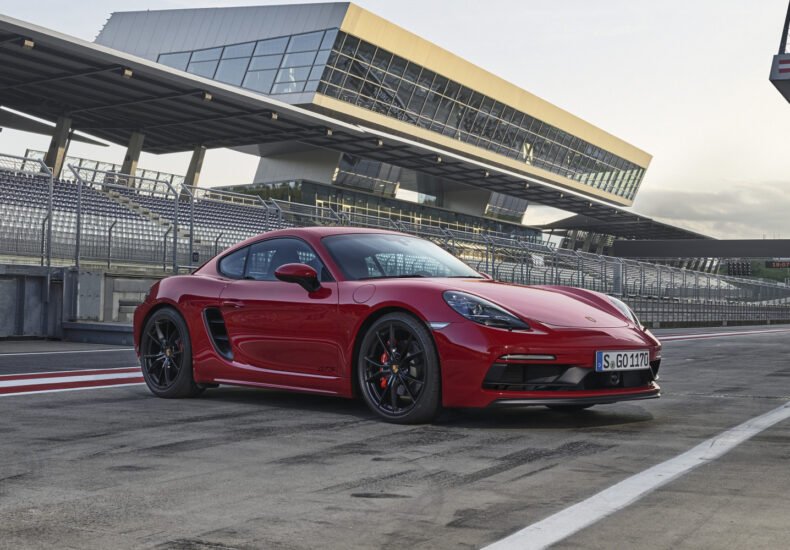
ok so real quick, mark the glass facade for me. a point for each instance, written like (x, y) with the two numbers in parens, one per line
(384, 179)
(368, 175)
(344, 67)
(282, 65)
(505, 207)
(360, 202)
(361, 73)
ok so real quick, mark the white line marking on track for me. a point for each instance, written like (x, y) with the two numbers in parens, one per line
(702, 335)
(69, 379)
(565, 523)
(68, 351)
(131, 368)
(71, 389)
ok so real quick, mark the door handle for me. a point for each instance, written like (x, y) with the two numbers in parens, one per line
(232, 303)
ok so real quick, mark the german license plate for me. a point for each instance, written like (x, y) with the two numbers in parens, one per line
(609, 361)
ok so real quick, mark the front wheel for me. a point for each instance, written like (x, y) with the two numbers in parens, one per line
(398, 370)
(166, 356)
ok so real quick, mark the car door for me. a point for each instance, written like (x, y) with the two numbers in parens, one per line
(280, 333)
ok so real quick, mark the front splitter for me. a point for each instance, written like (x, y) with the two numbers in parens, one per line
(602, 400)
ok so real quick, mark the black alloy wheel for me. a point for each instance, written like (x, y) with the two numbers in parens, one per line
(166, 356)
(398, 370)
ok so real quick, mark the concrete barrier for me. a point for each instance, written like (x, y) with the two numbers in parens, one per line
(31, 300)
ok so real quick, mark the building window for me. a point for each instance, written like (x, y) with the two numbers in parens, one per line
(203, 68)
(282, 65)
(231, 71)
(176, 60)
(361, 73)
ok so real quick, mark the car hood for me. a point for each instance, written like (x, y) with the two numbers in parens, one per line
(556, 306)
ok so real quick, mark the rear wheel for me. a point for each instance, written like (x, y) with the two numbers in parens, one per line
(166, 356)
(398, 370)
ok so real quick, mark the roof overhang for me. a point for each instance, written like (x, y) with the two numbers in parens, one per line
(695, 248)
(14, 121)
(111, 94)
(624, 227)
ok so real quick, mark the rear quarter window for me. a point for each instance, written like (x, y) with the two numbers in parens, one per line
(233, 264)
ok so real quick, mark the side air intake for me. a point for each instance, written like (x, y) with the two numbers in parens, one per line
(218, 332)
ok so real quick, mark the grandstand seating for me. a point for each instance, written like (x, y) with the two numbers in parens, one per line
(210, 216)
(23, 207)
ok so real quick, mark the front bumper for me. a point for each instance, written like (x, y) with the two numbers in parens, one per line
(601, 399)
(469, 353)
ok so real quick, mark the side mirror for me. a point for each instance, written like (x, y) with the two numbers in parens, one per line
(486, 275)
(302, 274)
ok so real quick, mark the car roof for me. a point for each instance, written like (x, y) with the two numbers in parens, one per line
(334, 230)
(311, 234)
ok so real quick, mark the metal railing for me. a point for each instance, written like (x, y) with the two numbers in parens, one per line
(147, 198)
(100, 166)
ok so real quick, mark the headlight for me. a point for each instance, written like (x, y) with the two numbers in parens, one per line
(627, 312)
(482, 311)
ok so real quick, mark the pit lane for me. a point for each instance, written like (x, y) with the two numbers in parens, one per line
(238, 468)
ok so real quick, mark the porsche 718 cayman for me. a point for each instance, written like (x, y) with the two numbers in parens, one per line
(391, 318)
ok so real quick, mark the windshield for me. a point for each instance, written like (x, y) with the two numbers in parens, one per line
(380, 256)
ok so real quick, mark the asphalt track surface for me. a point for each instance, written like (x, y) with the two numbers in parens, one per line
(114, 467)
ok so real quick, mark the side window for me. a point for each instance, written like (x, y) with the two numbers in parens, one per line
(267, 256)
(233, 264)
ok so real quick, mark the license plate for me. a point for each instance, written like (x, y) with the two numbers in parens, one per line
(609, 361)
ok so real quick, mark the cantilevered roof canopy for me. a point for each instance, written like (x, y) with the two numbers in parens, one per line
(9, 119)
(624, 227)
(111, 94)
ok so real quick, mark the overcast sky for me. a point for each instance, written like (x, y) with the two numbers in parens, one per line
(685, 80)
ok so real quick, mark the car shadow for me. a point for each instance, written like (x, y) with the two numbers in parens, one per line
(307, 402)
(490, 418)
(542, 418)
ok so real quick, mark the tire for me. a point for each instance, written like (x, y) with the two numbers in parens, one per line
(401, 383)
(569, 408)
(166, 356)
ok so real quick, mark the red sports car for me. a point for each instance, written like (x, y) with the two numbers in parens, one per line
(392, 318)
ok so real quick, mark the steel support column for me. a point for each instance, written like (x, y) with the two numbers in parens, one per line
(195, 166)
(783, 41)
(58, 146)
(133, 154)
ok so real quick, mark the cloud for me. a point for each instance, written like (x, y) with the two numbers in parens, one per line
(737, 211)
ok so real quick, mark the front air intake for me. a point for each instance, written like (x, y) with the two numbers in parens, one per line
(554, 377)
(218, 332)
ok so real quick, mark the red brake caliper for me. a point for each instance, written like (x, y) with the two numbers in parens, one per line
(383, 359)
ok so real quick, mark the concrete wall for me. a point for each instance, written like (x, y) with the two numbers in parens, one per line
(25, 308)
(466, 199)
(105, 297)
(121, 296)
(314, 165)
(149, 33)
